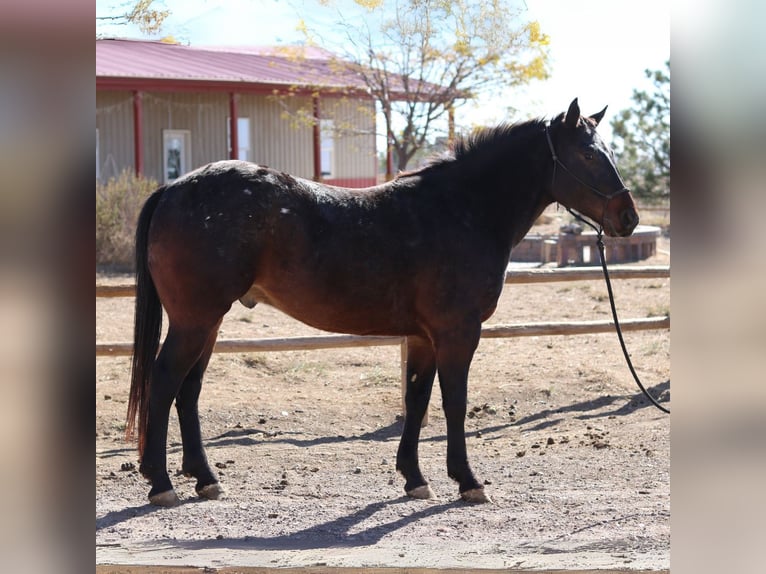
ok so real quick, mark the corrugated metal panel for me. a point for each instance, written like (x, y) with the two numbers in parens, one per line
(354, 123)
(281, 135)
(203, 115)
(114, 122)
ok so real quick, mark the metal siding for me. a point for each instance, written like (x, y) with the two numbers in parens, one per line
(281, 138)
(355, 136)
(204, 115)
(114, 121)
(281, 132)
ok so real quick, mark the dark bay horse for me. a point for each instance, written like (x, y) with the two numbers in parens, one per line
(423, 256)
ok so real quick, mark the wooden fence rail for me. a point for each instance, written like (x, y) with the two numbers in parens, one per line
(515, 277)
(586, 274)
(343, 341)
(492, 331)
(489, 332)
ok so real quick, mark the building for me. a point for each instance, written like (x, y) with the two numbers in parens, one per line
(165, 109)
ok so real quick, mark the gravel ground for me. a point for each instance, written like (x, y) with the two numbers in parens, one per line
(577, 463)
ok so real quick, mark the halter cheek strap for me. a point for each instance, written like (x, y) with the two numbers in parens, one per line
(558, 163)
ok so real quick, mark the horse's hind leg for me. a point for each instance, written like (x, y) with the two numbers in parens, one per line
(421, 369)
(181, 350)
(194, 460)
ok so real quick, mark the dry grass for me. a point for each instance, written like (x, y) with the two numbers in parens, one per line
(118, 203)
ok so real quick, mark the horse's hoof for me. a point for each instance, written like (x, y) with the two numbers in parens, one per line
(476, 495)
(421, 492)
(167, 499)
(211, 491)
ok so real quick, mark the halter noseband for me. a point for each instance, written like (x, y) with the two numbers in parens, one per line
(559, 163)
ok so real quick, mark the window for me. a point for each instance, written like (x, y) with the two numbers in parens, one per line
(243, 138)
(176, 153)
(326, 150)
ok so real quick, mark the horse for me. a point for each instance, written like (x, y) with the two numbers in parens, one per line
(422, 256)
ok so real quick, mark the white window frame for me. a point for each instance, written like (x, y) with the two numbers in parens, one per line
(168, 139)
(243, 143)
(327, 148)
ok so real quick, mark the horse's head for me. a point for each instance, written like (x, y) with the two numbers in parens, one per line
(585, 177)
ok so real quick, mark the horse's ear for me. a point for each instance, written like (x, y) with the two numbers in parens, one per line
(573, 115)
(599, 116)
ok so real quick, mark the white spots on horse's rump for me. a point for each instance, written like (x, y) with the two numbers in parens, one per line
(284, 210)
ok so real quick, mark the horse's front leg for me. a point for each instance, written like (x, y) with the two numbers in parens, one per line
(454, 355)
(421, 370)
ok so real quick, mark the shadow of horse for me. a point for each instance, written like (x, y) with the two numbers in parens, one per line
(333, 533)
(636, 402)
(317, 536)
(590, 409)
(119, 516)
(244, 436)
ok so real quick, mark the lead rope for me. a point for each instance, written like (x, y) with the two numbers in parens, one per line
(602, 255)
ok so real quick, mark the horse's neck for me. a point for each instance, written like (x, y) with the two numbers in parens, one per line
(514, 191)
(522, 227)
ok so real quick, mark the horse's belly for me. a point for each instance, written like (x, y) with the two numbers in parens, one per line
(338, 312)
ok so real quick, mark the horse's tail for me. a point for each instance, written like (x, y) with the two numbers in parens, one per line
(147, 327)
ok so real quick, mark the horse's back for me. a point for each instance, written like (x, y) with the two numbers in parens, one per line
(371, 261)
(235, 230)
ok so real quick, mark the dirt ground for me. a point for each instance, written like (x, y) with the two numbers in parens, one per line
(576, 461)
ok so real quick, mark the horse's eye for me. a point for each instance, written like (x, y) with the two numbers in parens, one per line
(588, 155)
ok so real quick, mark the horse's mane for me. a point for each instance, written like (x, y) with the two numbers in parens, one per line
(490, 137)
(481, 141)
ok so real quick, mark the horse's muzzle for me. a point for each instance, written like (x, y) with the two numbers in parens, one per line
(628, 221)
(621, 224)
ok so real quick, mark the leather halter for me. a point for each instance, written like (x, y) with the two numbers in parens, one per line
(559, 163)
(602, 255)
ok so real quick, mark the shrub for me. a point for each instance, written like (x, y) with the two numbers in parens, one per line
(118, 203)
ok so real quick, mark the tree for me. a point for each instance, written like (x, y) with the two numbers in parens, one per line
(642, 138)
(420, 59)
(141, 13)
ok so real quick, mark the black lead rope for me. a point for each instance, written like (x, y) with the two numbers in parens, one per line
(602, 255)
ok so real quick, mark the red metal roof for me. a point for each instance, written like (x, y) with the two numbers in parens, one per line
(124, 62)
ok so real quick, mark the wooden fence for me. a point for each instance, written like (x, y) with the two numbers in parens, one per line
(492, 331)
(489, 332)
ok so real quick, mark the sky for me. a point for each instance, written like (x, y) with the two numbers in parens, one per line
(598, 52)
